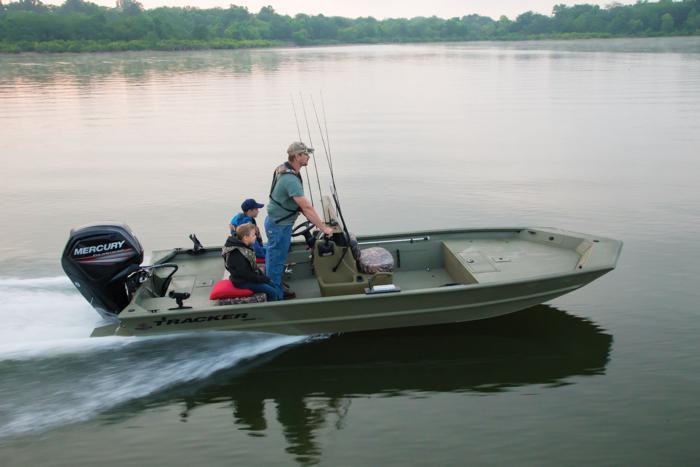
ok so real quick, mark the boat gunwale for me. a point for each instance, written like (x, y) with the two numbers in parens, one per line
(389, 236)
(432, 290)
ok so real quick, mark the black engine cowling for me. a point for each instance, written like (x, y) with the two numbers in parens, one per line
(98, 259)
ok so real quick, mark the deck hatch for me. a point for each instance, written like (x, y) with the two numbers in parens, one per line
(476, 261)
(501, 259)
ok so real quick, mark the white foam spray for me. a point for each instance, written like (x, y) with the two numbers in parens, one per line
(53, 374)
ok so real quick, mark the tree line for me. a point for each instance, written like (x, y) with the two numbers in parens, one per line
(79, 25)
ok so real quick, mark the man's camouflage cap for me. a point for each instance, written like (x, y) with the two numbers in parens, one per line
(297, 147)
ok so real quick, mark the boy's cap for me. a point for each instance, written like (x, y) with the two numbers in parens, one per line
(249, 204)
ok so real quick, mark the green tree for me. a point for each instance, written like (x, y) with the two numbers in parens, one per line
(667, 23)
(503, 26)
(531, 23)
(301, 36)
(200, 31)
(693, 21)
(635, 26)
(130, 7)
(28, 5)
(79, 6)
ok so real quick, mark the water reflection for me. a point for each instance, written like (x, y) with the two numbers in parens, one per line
(141, 66)
(133, 67)
(313, 385)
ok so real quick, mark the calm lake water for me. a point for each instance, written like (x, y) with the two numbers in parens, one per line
(599, 136)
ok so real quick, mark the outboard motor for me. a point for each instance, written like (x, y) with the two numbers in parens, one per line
(98, 258)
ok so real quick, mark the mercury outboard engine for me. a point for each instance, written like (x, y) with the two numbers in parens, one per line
(98, 258)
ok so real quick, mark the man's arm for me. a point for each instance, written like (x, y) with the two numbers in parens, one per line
(310, 213)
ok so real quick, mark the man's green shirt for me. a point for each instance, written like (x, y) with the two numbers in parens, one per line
(287, 186)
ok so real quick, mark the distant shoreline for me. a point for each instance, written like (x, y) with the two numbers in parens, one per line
(60, 46)
(81, 26)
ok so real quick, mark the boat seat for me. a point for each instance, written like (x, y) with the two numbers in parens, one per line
(225, 289)
(340, 273)
(375, 259)
(371, 260)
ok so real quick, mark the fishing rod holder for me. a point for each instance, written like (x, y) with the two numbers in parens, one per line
(179, 298)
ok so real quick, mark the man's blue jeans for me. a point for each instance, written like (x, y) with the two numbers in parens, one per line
(273, 292)
(279, 238)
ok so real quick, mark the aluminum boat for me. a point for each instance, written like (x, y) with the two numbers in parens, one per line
(342, 283)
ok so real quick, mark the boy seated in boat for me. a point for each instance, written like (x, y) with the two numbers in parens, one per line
(249, 211)
(240, 263)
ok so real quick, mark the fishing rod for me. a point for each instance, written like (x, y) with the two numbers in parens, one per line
(326, 150)
(330, 166)
(328, 140)
(296, 119)
(323, 142)
(306, 169)
(308, 129)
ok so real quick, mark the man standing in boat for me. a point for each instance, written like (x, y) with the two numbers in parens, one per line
(287, 200)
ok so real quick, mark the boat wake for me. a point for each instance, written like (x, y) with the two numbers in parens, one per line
(53, 374)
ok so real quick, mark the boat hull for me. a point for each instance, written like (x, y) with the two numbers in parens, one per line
(362, 313)
(442, 277)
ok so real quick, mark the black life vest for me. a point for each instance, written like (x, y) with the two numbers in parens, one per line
(284, 169)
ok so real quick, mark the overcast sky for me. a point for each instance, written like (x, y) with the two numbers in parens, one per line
(378, 8)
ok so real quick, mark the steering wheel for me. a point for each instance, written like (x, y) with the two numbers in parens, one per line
(302, 229)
